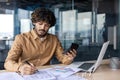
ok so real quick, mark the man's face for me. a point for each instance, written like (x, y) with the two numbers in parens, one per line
(41, 28)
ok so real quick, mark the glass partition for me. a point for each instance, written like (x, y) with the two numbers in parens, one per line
(89, 23)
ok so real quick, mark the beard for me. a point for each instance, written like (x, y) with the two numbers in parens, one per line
(41, 33)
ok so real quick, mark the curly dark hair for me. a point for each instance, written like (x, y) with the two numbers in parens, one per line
(43, 14)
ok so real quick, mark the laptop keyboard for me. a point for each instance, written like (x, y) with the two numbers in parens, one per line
(86, 66)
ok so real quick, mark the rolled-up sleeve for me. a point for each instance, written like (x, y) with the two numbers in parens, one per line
(63, 58)
(12, 61)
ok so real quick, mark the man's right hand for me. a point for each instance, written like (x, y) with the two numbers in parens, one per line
(26, 69)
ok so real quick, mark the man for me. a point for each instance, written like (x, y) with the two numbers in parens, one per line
(36, 47)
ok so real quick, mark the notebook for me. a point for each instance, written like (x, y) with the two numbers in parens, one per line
(91, 67)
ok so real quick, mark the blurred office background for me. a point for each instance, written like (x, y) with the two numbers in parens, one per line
(89, 23)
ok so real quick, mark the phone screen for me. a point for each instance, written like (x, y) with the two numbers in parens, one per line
(74, 46)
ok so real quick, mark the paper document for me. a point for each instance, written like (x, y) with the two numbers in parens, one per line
(40, 75)
(54, 73)
(60, 71)
(10, 76)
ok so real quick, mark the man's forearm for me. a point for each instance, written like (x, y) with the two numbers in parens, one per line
(11, 65)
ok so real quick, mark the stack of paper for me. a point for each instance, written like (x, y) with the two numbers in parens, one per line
(55, 73)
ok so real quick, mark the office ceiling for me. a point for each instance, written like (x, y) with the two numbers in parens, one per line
(81, 5)
(52, 3)
(31, 4)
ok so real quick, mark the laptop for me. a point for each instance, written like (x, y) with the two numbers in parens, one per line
(87, 66)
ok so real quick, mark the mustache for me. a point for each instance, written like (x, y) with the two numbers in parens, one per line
(41, 30)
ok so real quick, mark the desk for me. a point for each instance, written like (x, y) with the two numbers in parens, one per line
(104, 72)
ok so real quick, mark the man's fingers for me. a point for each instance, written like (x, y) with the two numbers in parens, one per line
(27, 69)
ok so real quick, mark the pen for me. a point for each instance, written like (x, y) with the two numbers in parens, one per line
(19, 73)
(30, 64)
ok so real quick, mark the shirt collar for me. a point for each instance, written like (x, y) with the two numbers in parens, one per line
(35, 36)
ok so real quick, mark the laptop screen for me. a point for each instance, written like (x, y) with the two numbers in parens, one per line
(101, 55)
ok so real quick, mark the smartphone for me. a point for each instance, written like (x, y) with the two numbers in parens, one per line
(73, 46)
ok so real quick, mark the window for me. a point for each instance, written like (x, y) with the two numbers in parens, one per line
(6, 25)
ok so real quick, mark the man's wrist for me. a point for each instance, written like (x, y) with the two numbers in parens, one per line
(19, 67)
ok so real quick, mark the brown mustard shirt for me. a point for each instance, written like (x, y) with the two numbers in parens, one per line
(29, 47)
